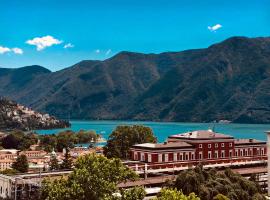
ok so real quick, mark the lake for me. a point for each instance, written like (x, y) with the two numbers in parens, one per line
(163, 129)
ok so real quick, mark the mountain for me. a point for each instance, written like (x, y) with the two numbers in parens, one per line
(16, 116)
(228, 80)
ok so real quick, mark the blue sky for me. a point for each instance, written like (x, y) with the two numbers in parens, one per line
(35, 32)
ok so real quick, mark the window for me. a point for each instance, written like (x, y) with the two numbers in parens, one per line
(192, 156)
(209, 146)
(222, 144)
(216, 145)
(230, 153)
(209, 154)
(250, 152)
(200, 156)
(216, 154)
(222, 154)
(186, 156)
(181, 156)
(241, 152)
(200, 145)
(230, 145)
(262, 151)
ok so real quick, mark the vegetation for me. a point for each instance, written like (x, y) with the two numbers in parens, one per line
(123, 137)
(21, 164)
(19, 140)
(9, 171)
(67, 161)
(209, 185)
(94, 177)
(54, 163)
(66, 140)
(174, 194)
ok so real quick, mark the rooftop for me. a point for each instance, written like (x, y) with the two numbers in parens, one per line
(201, 134)
(164, 145)
(248, 141)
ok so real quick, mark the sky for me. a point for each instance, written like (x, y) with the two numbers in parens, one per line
(59, 33)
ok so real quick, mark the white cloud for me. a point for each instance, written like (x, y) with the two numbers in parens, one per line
(43, 42)
(68, 45)
(97, 51)
(214, 28)
(4, 50)
(108, 52)
(17, 50)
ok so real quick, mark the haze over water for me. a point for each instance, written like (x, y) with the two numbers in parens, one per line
(163, 129)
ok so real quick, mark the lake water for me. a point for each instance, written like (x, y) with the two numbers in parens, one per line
(163, 129)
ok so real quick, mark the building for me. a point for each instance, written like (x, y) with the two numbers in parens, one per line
(199, 146)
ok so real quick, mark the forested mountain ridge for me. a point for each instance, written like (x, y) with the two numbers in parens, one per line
(229, 80)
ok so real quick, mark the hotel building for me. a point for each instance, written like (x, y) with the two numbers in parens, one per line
(199, 146)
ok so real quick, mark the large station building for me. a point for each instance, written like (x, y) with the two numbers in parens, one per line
(199, 146)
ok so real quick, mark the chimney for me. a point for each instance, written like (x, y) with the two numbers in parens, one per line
(268, 162)
(250, 140)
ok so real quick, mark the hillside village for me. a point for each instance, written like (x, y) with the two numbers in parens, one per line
(16, 116)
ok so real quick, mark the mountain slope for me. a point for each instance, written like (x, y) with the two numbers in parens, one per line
(229, 80)
(91, 89)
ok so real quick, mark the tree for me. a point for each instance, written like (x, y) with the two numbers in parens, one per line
(54, 163)
(86, 136)
(124, 137)
(135, 193)
(220, 197)
(19, 140)
(94, 177)
(21, 164)
(48, 142)
(174, 194)
(208, 184)
(67, 161)
(65, 140)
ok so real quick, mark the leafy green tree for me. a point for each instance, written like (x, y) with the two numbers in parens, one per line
(208, 184)
(48, 142)
(19, 140)
(174, 194)
(220, 197)
(86, 136)
(65, 140)
(67, 161)
(9, 172)
(54, 163)
(21, 164)
(136, 193)
(124, 137)
(94, 177)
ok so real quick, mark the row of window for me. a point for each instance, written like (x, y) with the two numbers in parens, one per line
(216, 145)
(191, 156)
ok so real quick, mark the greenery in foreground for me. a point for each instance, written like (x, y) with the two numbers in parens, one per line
(207, 184)
(94, 177)
(124, 137)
